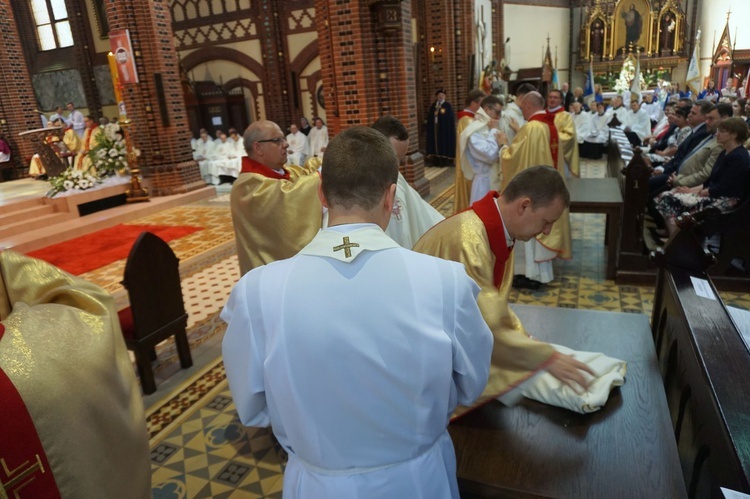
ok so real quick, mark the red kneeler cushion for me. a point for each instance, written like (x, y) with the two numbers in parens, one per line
(126, 322)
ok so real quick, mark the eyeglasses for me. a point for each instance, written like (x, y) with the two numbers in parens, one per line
(275, 140)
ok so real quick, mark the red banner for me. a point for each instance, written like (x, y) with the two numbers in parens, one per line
(119, 43)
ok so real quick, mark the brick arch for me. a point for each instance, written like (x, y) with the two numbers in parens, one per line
(252, 86)
(305, 57)
(222, 53)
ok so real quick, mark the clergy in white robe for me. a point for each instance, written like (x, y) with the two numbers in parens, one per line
(227, 160)
(203, 154)
(318, 138)
(479, 149)
(581, 120)
(617, 109)
(299, 148)
(637, 121)
(599, 129)
(358, 379)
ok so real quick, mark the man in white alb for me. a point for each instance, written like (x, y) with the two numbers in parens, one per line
(299, 149)
(203, 154)
(479, 148)
(637, 123)
(76, 120)
(318, 138)
(359, 378)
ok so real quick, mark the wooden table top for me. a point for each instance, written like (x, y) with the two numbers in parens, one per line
(595, 191)
(625, 450)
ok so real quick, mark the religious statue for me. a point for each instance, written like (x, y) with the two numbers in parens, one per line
(668, 26)
(597, 38)
(633, 26)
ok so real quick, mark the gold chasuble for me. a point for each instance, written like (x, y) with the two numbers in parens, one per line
(274, 215)
(532, 147)
(566, 130)
(462, 191)
(476, 238)
(72, 421)
(90, 140)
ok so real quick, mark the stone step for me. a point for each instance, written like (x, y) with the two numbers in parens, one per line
(48, 219)
(15, 206)
(29, 213)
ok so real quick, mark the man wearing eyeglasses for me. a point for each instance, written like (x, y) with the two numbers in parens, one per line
(275, 210)
(479, 148)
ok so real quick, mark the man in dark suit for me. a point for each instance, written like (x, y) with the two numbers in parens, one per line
(568, 96)
(697, 118)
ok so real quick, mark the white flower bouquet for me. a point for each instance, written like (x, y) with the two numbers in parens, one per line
(110, 155)
(72, 179)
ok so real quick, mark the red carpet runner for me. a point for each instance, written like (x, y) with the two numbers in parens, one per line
(86, 253)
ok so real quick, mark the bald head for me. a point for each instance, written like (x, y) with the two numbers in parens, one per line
(532, 103)
(266, 143)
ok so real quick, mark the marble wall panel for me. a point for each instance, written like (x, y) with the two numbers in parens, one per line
(55, 88)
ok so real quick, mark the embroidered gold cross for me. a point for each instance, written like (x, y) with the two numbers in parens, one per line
(346, 246)
(23, 477)
(553, 146)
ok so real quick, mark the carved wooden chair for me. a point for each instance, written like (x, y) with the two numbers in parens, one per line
(157, 310)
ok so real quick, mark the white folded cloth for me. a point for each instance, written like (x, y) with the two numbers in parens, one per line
(545, 388)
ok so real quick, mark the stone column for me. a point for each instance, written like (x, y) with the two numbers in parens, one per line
(157, 110)
(366, 56)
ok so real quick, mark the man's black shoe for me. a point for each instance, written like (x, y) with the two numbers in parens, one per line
(521, 281)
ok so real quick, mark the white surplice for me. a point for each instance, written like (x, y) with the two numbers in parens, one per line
(227, 158)
(356, 352)
(318, 138)
(203, 154)
(582, 122)
(299, 149)
(639, 123)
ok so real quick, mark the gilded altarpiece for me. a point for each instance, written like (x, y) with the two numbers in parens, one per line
(655, 30)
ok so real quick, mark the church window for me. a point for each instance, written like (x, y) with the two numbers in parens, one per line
(52, 24)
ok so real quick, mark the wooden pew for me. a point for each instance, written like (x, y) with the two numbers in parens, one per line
(706, 369)
(625, 450)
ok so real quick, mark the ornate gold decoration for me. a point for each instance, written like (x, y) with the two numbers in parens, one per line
(53, 164)
(137, 192)
(347, 247)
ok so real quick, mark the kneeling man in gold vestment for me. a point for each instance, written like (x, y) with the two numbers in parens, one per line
(482, 238)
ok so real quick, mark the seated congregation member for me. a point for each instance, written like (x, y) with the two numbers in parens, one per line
(697, 167)
(679, 118)
(482, 238)
(726, 185)
(358, 378)
(412, 216)
(480, 146)
(663, 130)
(203, 154)
(697, 120)
(637, 123)
(299, 148)
(275, 210)
(73, 421)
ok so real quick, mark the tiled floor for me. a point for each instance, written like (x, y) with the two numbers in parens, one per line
(199, 448)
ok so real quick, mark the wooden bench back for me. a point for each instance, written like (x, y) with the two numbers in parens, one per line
(706, 367)
(152, 278)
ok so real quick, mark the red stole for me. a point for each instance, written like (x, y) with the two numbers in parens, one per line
(465, 113)
(487, 211)
(554, 140)
(22, 450)
(252, 166)
(87, 137)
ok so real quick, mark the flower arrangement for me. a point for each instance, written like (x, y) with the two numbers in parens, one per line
(627, 74)
(72, 179)
(109, 156)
